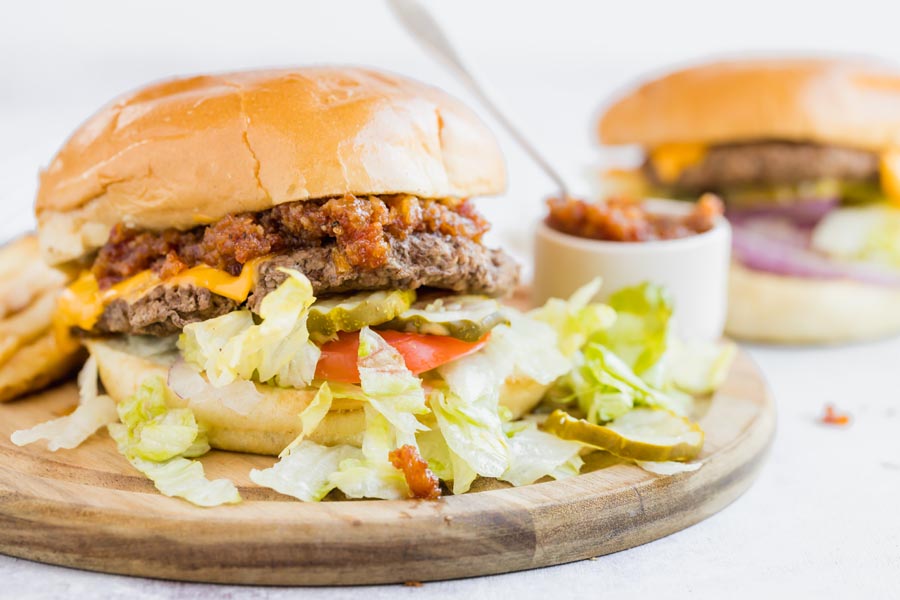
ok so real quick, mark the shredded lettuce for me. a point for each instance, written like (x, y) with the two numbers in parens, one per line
(167, 435)
(379, 437)
(312, 415)
(372, 475)
(466, 412)
(867, 234)
(472, 431)
(309, 471)
(470, 440)
(606, 388)
(177, 477)
(640, 333)
(93, 412)
(577, 319)
(535, 454)
(443, 462)
(392, 398)
(158, 442)
(364, 478)
(599, 401)
(433, 448)
(305, 471)
(277, 350)
(634, 360)
(631, 362)
(463, 474)
(203, 344)
(389, 386)
(526, 347)
(698, 368)
(156, 432)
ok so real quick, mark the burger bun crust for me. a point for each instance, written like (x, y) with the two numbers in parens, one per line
(840, 102)
(769, 308)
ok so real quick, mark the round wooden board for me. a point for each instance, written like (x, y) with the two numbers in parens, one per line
(87, 508)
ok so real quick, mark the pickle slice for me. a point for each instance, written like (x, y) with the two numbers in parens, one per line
(467, 318)
(352, 313)
(646, 434)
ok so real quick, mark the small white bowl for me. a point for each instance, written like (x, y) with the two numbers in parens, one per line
(694, 269)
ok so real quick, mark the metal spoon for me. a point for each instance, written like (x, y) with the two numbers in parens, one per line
(425, 29)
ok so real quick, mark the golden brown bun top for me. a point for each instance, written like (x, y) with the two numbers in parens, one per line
(846, 102)
(188, 151)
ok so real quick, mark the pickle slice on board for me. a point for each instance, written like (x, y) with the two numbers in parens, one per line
(467, 318)
(645, 434)
(352, 313)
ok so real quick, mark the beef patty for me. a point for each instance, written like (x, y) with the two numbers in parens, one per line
(430, 260)
(770, 162)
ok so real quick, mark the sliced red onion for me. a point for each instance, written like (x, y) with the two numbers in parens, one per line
(185, 381)
(239, 396)
(774, 246)
(803, 213)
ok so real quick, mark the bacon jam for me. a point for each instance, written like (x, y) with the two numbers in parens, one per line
(834, 417)
(626, 220)
(423, 484)
(361, 229)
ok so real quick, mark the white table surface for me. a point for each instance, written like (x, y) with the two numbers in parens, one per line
(823, 518)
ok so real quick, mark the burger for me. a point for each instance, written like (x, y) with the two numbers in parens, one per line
(287, 262)
(806, 154)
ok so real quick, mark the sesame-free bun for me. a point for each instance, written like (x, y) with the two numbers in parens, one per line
(273, 422)
(190, 151)
(764, 307)
(842, 102)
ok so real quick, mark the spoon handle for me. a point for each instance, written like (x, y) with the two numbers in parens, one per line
(416, 19)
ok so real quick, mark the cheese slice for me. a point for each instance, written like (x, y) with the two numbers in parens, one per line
(889, 171)
(670, 160)
(82, 303)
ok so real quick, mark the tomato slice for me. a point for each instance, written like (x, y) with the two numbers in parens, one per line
(421, 353)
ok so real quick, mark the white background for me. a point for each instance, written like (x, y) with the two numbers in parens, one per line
(822, 518)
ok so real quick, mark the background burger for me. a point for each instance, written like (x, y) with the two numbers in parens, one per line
(806, 154)
(289, 257)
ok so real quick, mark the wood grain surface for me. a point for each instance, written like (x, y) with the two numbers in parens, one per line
(87, 508)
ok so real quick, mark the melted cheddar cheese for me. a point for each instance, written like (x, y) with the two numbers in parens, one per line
(889, 172)
(670, 160)
(82, 303)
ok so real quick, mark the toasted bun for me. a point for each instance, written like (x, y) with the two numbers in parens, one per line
(840, 102)
(189, 151)
(791, 310)
(273, 422)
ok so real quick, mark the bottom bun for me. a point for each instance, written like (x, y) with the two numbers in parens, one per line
(273, 422)
(764, 307)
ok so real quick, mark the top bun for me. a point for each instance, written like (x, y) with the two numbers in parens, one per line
(851, 103)
(190, 151)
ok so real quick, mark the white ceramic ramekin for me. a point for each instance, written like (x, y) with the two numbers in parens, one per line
(695, 269)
